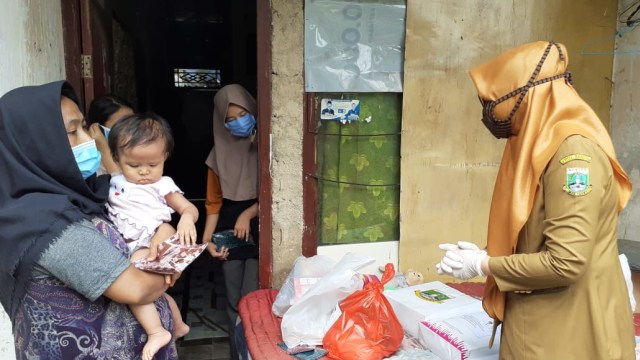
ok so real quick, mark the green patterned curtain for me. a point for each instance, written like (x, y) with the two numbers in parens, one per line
(358, 170)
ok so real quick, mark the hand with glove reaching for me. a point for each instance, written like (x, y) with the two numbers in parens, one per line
(462, 261)
(441, 267)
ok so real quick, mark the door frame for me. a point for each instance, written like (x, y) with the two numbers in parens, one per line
(264, 70)
(72, 41)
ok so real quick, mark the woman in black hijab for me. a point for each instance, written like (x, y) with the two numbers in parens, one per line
(64, 269)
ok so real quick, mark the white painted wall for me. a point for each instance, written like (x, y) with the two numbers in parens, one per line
(625, 117)
(31, 53)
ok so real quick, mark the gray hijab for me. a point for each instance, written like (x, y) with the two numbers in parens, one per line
(234, 159)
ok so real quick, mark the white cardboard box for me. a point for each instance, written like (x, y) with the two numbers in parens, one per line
(431, 300)
(463, 336)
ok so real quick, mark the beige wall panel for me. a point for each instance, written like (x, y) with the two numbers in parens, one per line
(625, 118)
(449, 160)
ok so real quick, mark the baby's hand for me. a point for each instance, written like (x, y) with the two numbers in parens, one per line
(187, 230)
(163, 232)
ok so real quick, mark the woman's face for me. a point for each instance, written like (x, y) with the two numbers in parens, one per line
(234, 112)
(116, 116)
(73, 122)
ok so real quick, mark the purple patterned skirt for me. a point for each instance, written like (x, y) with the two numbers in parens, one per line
(56, 322)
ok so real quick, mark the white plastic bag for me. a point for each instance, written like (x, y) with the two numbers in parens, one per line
(306, 321)
(306, 271)
(626, 271)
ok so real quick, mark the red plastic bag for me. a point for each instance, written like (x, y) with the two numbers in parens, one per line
(367, 329)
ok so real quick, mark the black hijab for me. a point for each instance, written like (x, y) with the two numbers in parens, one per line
(42, 190)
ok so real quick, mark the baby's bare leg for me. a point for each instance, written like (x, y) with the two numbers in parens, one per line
(147, 315)
(139, 254)
(157, 336)
(180, 327)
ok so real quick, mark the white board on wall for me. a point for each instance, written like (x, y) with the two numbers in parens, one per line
(384, 252)
(354, 46)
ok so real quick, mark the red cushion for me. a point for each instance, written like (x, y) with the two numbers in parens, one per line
(261, 327)
(475, 289)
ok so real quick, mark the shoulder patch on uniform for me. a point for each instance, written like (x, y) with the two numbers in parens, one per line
(577, 182)
(572, 157)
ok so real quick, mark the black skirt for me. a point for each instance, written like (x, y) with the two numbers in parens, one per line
(227, 218)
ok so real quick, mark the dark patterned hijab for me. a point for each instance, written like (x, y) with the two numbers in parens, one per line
(41, 189)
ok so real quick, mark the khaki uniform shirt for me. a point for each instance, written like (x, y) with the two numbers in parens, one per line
(566, 295)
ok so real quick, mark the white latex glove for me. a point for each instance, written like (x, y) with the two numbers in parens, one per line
(470, 260)
(444, 269)
(465, 245)
(462, 261)
(441, 271)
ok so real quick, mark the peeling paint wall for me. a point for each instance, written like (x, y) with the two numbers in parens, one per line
(31, 49)
(286, 126)
(31, 52)
(625, 118)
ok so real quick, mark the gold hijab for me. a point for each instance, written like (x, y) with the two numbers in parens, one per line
(234, 159)
(549, 113)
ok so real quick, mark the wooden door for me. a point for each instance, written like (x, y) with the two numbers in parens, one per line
(88, 48)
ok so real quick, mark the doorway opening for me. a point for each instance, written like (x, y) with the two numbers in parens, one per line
(170, 57)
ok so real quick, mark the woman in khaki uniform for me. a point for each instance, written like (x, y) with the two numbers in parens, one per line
(554, 277)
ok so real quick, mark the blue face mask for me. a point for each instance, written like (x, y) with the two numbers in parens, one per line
(106, 131)
(242, 126)
(88, 158)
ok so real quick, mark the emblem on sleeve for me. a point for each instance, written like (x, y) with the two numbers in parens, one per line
(577, 182)
(572, 157)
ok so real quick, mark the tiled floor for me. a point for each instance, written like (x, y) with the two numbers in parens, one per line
(213, 350)
(205, 311)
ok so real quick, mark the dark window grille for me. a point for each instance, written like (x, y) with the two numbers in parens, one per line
(197, 78)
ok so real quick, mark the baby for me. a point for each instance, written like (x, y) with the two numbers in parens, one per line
(141, 199)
